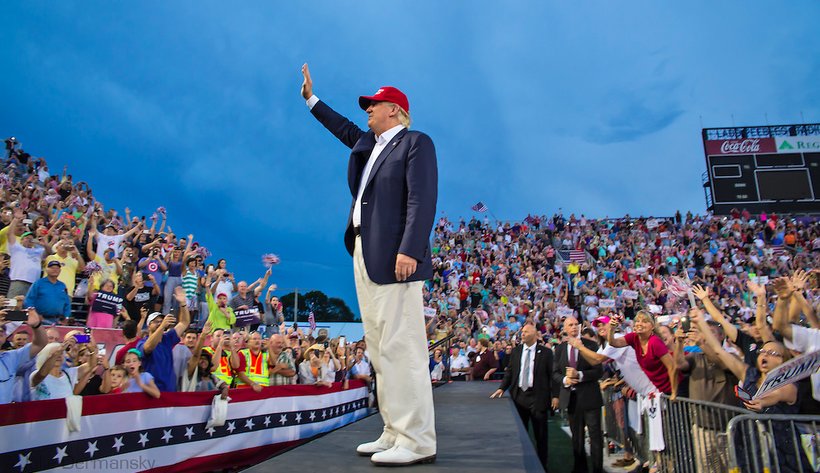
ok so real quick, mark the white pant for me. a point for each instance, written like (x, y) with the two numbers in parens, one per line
(393, 320)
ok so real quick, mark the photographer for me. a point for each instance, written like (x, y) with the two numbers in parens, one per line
(163, 334)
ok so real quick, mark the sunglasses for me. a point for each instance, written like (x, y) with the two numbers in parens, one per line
(770, 353)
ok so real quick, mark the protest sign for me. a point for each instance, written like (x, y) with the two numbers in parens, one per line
(790, 372)
(629, 294)
(606, 303)
(246, 317)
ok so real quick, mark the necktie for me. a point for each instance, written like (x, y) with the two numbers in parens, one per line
(525, 383)
(573, 361)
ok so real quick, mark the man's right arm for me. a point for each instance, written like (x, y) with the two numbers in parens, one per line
(346, 131)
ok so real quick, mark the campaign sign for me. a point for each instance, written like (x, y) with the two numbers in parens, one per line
(565, 312)
(790, 372)
(629, 294)
(655, 309)
(429, 312)
(606, 303)
(246, 317)
(652, 223)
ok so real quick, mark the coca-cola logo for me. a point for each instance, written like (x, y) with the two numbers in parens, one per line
(751, 145)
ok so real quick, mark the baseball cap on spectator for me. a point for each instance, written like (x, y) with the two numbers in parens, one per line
(604, 319)
(25, 234)
(317, 346)
(386, 94)
(221, 294)
(53, 263)
(153, 316)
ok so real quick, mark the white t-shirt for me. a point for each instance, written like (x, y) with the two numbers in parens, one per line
(627, 364)
(458, 362)
(26, 263)
(806, 340)
(53, 387)
(106, 242)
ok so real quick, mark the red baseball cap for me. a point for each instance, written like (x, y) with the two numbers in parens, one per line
(386, 94)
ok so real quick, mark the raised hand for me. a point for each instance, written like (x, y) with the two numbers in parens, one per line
(799, 279)
(179, 295)
(307, 83)
(759, 290)
(783, 287)
(700, 292)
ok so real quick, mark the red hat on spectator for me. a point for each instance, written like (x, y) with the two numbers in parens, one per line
(386, 94)
(221, 294)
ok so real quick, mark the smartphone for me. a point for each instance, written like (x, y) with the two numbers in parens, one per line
(11, 303)
(326, 344)
(685, 323)
(16, 315)
(742, 394)
(82, 338)
(342, 341)
(102, 352)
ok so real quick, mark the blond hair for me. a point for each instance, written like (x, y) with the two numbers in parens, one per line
(404, 117)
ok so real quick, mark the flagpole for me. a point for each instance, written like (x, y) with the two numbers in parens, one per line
(295, 305)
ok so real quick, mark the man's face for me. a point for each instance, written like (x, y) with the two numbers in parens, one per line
(242, 287)
(190, 340)
(154, 324)
(255, 342)
(53, 270)
(359, 354)
(380, 116)
(276, 343)
(20, 339)
(216, 336)
(238, 339)
(571, 327)
(528, 335)
(52, 335)
(27, 241)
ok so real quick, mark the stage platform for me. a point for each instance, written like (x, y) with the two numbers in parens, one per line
(475, 433)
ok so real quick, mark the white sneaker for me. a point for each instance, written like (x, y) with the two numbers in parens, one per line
(400, 456)
(377, 446)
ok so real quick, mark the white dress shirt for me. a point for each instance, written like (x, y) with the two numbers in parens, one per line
(381, 143)
(577, 360)
(527, 351)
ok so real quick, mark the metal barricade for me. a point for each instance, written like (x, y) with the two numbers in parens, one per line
(773, 443)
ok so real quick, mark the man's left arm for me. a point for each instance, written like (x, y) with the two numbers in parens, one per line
(422, 193)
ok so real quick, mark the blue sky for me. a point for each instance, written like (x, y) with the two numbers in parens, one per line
(593, 107)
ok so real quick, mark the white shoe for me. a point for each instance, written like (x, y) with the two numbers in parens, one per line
(400, 456)
(377, 446)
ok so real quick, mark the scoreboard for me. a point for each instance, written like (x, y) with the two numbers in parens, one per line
(763, 168)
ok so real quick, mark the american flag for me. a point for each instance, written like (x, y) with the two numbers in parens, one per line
(779, 250)
(578, 256)
(479, 207)
(312, 321)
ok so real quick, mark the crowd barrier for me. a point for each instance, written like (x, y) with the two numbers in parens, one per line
(133, 432)
(705, 437)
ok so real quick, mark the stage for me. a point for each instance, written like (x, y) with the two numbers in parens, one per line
(475, 433)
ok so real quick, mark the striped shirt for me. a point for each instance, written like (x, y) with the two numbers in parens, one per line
(189, 284)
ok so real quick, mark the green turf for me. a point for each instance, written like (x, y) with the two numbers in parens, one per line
(560, 449)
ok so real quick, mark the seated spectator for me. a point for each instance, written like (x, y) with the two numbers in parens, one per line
(437, 365)
(52, 380)
(158, 347)
(138, 380)
(49, 295)
(282, 368)
(16, 361)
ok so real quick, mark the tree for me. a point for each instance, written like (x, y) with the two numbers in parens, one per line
(325, 309)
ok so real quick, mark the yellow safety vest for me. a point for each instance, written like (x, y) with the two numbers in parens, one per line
(223, 370)
(256, 369)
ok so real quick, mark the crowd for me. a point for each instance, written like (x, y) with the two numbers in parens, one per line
(189, 326)
(621, 284)
(753, 279)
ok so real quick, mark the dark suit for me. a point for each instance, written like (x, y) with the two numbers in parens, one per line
(399, 200)
(532, 404)
(583, 404)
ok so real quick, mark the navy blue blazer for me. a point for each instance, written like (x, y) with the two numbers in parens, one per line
(399, 200)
